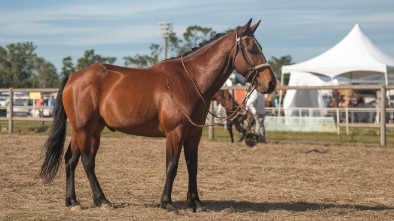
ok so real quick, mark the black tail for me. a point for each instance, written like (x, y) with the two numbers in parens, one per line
(53, 147)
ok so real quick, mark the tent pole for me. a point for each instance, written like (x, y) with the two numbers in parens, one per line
(385, 77)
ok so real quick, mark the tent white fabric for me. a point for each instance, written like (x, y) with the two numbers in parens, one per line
(354, 57)
(306, 98)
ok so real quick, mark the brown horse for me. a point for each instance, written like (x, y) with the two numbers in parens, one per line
(242, 121)
(165, 100)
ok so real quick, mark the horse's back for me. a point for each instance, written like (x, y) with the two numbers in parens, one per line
(125, 98)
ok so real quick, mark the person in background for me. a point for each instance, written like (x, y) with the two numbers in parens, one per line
(40, 102)
(51, 103)
(256, 105)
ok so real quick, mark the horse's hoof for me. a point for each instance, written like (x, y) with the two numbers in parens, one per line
(76, 208)
(170, 208)
(200, 207)
(106, 206)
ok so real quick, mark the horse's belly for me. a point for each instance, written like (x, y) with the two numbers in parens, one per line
(141, 130)
(138, 125)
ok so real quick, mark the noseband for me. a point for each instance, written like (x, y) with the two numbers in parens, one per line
(252, 70)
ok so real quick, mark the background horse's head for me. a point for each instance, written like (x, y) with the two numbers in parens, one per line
(250, 61)
(224, 98)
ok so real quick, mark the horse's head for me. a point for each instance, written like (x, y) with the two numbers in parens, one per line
(249, 60)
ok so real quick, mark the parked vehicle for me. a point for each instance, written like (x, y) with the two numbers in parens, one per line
(20, 99)
(3, 100)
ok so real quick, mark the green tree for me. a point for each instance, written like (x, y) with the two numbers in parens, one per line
(17, 65)
(193, 37)
(277, 63)
(68, 67)
(90, 58)
(45, 74)
(140, 61)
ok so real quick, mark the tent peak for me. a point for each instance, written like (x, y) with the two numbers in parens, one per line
(355, 56)
(357, 30)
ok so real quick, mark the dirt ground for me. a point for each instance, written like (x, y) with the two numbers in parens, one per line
(273, 181)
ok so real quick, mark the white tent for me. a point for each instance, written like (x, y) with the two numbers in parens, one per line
(353, 57)
(308, 98)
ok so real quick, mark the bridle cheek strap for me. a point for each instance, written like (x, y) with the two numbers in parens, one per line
(252, 73)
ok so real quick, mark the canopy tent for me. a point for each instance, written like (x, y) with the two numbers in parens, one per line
(354, 57)
(305, 98)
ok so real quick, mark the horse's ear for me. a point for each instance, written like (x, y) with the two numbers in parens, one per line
(254, 27)
(248, 23)
(245, 30)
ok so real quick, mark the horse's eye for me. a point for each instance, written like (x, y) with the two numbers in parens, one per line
(251, 51)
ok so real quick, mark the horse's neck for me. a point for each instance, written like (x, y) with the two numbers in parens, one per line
(211, 65)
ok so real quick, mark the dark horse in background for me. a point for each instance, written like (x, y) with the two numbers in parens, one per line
(242, 121)
(165, 100)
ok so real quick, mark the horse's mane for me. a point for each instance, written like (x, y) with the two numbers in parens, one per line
(205, 42)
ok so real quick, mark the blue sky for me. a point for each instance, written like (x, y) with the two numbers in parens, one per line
(300, 28)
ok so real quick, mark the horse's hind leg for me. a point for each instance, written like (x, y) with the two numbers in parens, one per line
(88, 156)
(71, 160)
(242, 136)
(241, 130)
(230, 130)
(191, 157)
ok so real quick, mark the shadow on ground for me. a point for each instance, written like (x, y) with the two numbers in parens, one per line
(244, 206)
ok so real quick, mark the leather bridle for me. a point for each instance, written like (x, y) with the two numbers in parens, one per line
(252, 70)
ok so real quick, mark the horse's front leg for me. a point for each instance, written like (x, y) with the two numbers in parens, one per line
(173, 151)
(191, 157)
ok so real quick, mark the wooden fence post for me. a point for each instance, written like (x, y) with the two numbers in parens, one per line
(11, 111)
(383, 116)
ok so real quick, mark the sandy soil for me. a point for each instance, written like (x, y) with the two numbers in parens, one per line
(281, 181)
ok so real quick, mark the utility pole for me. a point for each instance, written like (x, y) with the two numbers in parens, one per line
(165, 28)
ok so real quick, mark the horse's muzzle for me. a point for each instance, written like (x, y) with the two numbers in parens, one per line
(266, 88)
(271, 86)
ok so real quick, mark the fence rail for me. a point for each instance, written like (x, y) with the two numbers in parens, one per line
(381, 109)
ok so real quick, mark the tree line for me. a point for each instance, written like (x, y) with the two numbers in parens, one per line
(21, 67)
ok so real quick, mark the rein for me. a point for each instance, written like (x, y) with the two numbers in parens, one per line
(250, 77)
(240, 107)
